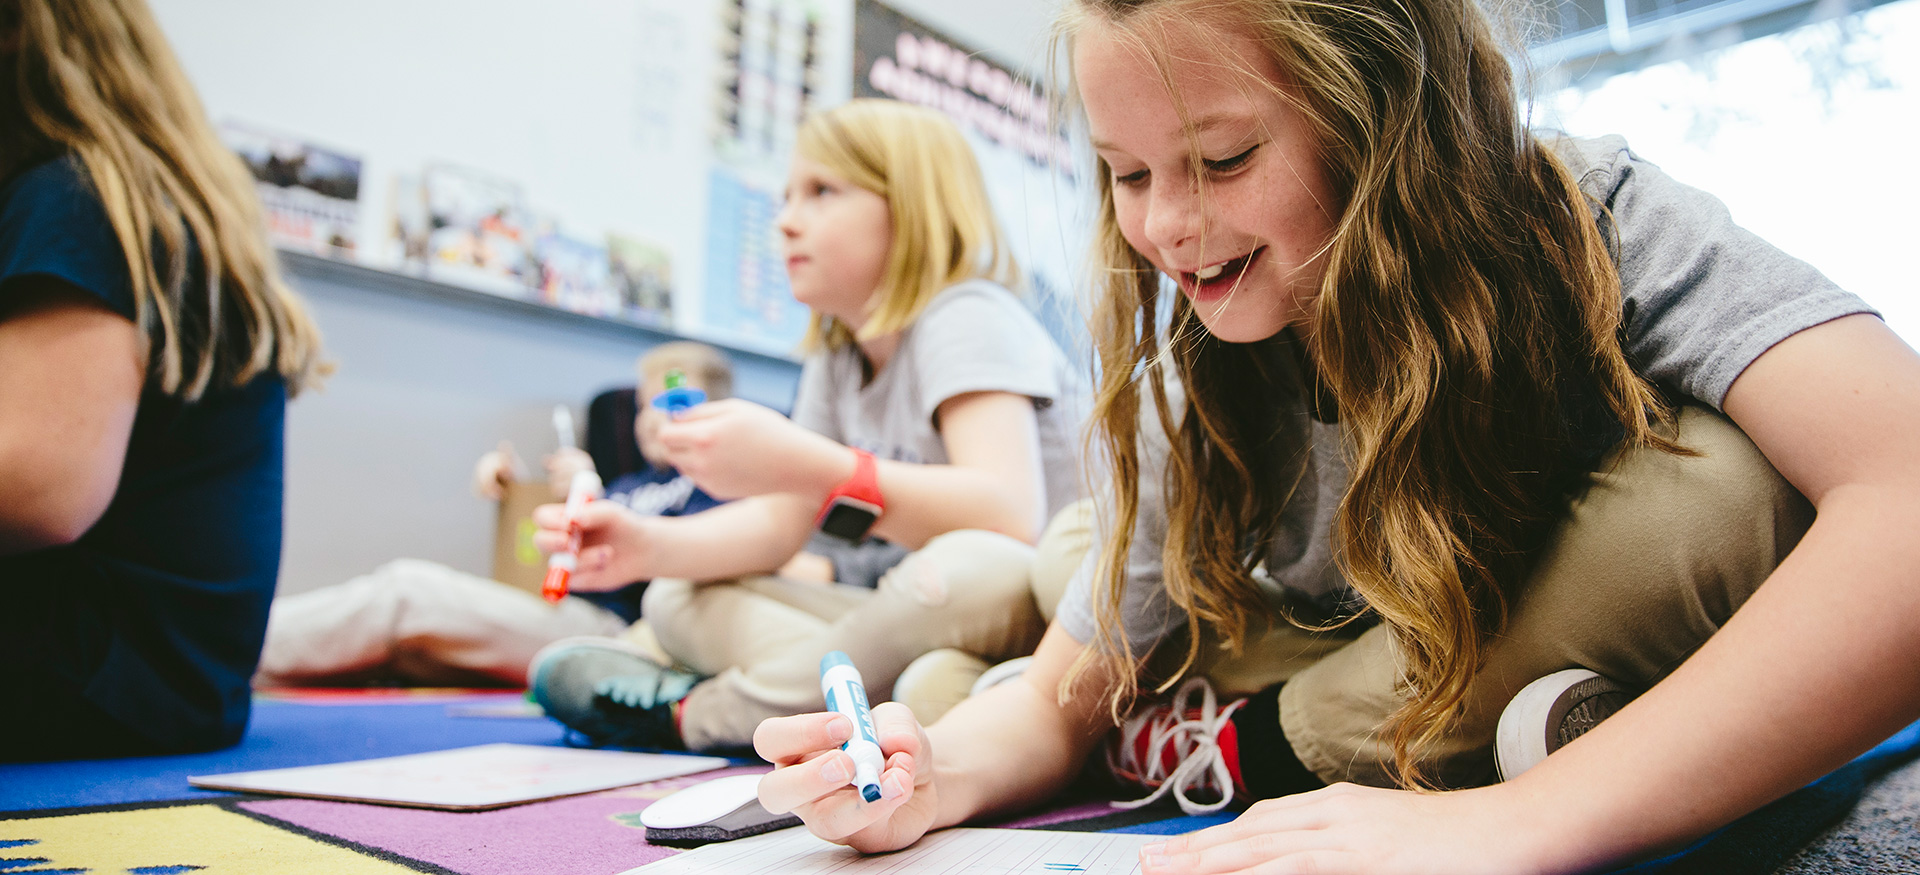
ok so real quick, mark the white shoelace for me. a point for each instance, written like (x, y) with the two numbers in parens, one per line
(1198, 761)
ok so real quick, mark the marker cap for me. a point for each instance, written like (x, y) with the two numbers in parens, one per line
(554, 588)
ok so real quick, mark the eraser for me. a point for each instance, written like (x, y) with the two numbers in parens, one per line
(749, 819)
(711, 811)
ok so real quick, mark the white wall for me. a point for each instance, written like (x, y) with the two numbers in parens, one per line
(379, 461)
(564, 97)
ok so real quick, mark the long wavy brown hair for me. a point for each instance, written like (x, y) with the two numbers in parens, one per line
(1466, 332)
(96, 79)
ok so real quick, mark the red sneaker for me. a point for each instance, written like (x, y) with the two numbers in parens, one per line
(1181, 747)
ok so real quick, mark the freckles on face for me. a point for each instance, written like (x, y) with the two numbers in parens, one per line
(1242, 225)
(836, 237)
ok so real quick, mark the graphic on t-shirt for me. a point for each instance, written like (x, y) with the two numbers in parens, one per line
(654, 499)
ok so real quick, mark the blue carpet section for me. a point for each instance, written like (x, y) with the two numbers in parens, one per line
(1174, 826)
(1763, 840)
(282, 734)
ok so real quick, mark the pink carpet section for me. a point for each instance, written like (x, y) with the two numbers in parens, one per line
(595, 834)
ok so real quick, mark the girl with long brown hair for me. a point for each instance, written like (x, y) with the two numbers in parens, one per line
(147, 349)
(1442, 440)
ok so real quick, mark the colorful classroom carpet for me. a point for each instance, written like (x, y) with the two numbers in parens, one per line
(140, 816)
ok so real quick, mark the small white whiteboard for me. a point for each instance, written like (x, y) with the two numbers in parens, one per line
(467, 778)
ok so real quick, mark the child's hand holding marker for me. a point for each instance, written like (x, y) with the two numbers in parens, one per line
(825, 765)
(735, 448)
(614, 544)
(561, 565)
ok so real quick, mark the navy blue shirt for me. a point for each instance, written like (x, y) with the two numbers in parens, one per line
(650, 491)
(155, 615)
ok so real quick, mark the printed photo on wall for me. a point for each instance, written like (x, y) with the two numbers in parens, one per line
(310, 194)
(477, 231)
(642, 277)
(572, 273)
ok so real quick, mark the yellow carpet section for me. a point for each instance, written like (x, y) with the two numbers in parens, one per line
(188, 838)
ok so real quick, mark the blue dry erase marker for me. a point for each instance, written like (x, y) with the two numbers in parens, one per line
(679, 396)
(840, 683)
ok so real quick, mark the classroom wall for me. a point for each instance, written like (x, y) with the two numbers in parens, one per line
(379, 461)
(565, 100)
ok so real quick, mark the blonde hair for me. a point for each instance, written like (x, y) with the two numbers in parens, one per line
(706, 366)
(95, 78)
(1465, 330)
(944, 230)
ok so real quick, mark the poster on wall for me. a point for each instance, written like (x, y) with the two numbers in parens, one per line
(310, 194)
(768, 79)
(1025, 153)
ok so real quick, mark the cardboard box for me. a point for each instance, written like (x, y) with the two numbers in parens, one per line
(515, 560)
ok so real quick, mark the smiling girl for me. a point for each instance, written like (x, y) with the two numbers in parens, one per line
(933, 412)
(1408, 407)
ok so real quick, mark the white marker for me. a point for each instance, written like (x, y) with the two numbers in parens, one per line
(584, 488)
(563, 426)
(840, 683)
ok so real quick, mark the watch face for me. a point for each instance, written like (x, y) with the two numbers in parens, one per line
(848, 519)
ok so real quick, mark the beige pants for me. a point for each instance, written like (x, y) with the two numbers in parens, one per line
(761, 638)
(1652, 559)
(421, 622)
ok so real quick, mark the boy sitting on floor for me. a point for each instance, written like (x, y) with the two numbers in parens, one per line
(420, 622)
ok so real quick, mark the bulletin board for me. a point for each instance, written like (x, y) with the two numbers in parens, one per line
(1027, 148)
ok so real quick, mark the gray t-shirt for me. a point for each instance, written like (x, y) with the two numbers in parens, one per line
(1703, 299)
(972, 337)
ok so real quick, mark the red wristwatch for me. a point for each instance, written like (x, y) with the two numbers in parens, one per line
(853, 506)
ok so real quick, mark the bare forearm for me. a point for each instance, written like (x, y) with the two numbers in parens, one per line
(1004, 750)
(1813, 670)
(925, 501)
(750, 536)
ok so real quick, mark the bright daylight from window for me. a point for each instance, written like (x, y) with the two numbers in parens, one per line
(1809, 135)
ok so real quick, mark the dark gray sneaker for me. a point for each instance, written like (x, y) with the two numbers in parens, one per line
(1550, 712)
(609, 692)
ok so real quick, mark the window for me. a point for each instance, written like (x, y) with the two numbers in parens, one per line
(1808, 133)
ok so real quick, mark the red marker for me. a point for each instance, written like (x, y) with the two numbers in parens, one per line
(560, 566)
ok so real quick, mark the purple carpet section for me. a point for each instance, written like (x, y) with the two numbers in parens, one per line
(596, 834)
(1079, 811)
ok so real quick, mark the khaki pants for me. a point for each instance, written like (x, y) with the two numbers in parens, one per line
(1657, 553)
(421, 622)
(761, 638)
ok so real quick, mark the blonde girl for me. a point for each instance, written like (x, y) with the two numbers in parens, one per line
(147, 349)
(1474, 407)
(928, 390)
